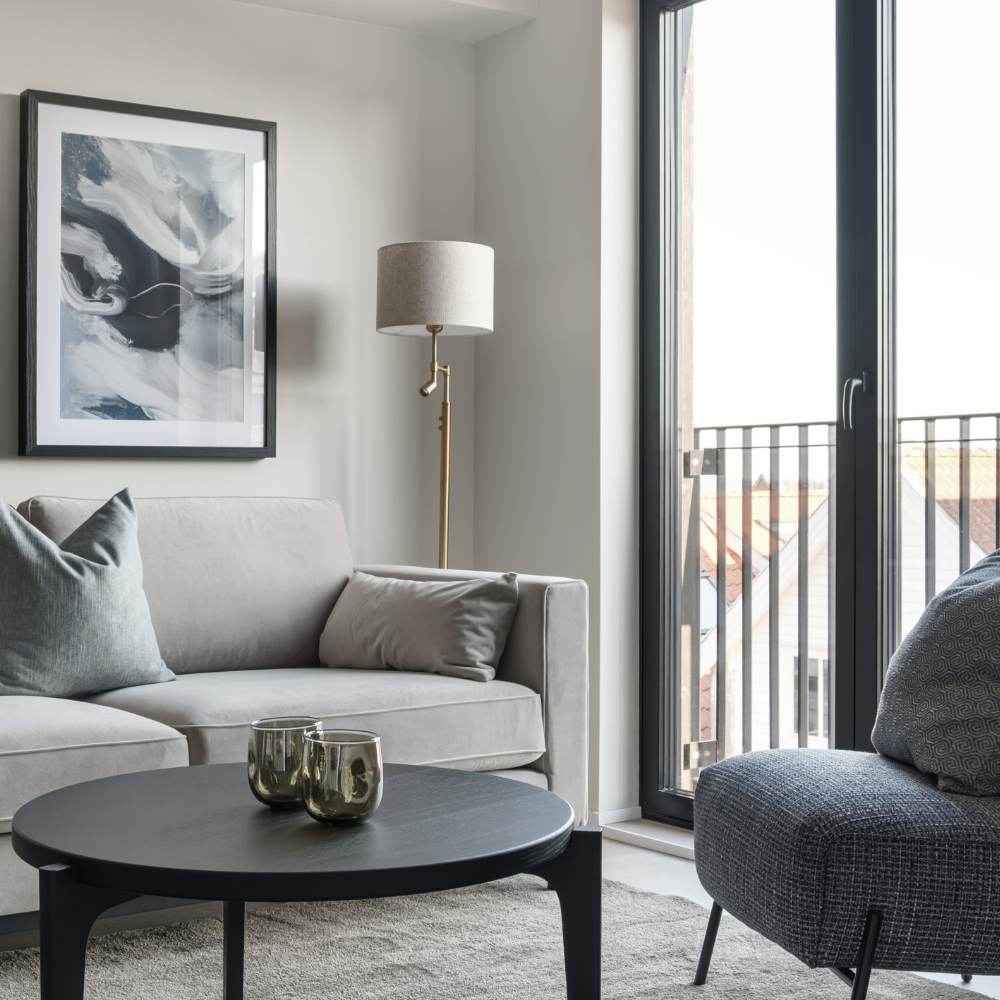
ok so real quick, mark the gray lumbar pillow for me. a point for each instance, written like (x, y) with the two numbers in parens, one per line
(75, 618)
(457, 628)
(940, 708)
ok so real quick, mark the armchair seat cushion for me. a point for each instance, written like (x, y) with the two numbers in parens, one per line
(48, 743)
(422, 718)
(800, 844)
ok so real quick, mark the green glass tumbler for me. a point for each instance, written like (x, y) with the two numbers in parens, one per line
(341, 774)
(274, 760)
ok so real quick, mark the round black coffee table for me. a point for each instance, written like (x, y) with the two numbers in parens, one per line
(198, 833)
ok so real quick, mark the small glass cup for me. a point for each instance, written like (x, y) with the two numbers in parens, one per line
(341, 774)
(274, 760)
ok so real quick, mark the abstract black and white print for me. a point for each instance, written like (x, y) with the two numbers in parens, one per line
(151, 281)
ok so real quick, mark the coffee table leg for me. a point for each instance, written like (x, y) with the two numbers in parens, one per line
(234, 918)
(67, 913)
(576, 877)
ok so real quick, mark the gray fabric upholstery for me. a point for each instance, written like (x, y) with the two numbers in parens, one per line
(940, 707)
(453, 627)
(546, 651)
(234, 583)
(422, 718)
(800, 844)
(48, 743)
(19, 881)
(75, 618)
(524, 774)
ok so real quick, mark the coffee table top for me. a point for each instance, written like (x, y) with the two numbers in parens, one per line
(198, 833)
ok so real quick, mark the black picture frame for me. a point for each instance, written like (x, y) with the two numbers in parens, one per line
(30, 361)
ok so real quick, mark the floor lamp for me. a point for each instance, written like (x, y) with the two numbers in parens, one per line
(436, 290)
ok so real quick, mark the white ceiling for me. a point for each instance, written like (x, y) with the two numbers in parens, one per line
(468, 20)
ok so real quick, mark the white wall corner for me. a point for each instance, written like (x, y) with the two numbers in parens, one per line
(618, 685)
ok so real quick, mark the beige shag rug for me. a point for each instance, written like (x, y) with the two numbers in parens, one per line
(490, 942)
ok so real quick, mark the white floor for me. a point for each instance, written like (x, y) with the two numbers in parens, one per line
(672, 876)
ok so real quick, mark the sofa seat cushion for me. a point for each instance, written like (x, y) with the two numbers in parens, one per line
(800, 844)
(422, 718)
(48, 743)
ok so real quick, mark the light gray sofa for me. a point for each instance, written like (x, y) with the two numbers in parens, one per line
(239, 591)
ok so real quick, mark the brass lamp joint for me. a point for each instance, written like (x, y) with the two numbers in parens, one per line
(432, 383)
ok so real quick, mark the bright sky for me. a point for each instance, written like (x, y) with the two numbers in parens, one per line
(764, 210)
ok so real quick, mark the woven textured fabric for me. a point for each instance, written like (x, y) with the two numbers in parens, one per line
(800, 844)
(75, 618)
(940, 708)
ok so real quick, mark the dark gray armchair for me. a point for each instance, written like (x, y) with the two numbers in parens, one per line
(860, 861)
(850, 860)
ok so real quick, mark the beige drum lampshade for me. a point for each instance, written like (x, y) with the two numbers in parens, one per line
(435, 284)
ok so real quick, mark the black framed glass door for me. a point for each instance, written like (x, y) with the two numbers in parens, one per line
(768, 553)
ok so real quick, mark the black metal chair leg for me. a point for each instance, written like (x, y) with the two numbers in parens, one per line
(869, 942)
(709, 945)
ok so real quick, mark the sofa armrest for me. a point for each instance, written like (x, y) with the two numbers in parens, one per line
(546, 651)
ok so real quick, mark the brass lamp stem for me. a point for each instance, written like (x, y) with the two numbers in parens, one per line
(445, 428)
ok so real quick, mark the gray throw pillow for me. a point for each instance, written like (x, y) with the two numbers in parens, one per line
(940, 708)
(457, 628)
(75, 619)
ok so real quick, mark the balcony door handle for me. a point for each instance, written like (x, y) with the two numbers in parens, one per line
(851, 386)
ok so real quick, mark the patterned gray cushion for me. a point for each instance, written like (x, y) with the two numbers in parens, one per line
(75, 618)
(799, 844)
(940, 708)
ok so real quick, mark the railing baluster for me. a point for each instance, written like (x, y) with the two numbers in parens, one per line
(803, 582)
(930, 510)
(722, 549)
(996, 492)
(695, 550)
(774, 593)
(964, 490)
(747, 586)
(831, 571)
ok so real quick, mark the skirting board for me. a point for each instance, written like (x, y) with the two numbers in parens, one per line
(653, 836)
(615, 816)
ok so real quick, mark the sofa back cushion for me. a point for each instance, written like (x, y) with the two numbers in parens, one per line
(233, 583)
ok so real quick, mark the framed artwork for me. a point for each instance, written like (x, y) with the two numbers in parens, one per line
(147, 309)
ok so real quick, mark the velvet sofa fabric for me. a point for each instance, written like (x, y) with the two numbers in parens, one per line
(234, 583)
(453, 627)
(546, 651)
(75, 619)
(422, 718)
(940, 707)
(48, 743)
(241, 588)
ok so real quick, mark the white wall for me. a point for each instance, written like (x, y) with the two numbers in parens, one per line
(375, 145)
(385, 136)
(555, 384)
(619, 651)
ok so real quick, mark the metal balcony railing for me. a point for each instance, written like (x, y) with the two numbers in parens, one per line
(949, 502)
(765, 502)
